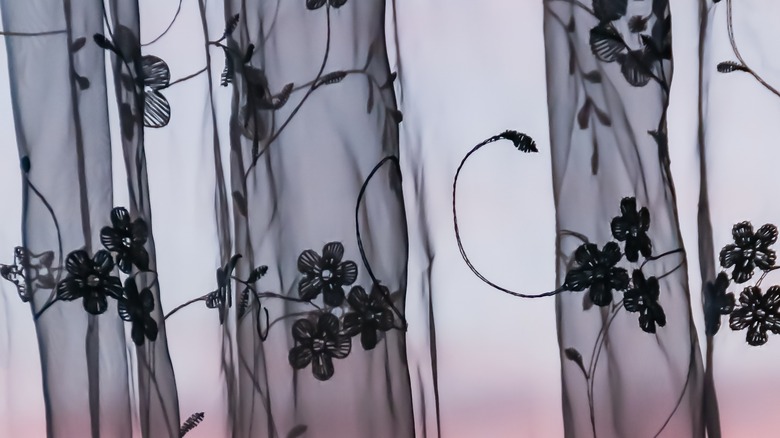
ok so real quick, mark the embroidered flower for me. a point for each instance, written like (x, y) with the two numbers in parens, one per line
(35, 269)
(631, 227)
(643, 298)
(716, 303)
(372, 315)
(749, 250)
(136, 308)
(596, 270)
(758, 313)
(91, 280)
(127, 240)
(326, 274)
(318, 345)
(316, 4)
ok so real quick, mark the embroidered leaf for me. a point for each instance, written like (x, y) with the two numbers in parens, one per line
(521, 141)
(250, 50)
(583, 116)
(191, 423)
(82, 82)
(573, 355)
(605, 42)
(157, 110)
(297, 431)
(593, 76)
(240, 202)
(156, 74)
(730, 66)
(231, 25)
(102, 42)
(257, 274)
(331, 78)
(594, 158)
(215, 299)
(78, 44)
(280, 99)
(243, 303)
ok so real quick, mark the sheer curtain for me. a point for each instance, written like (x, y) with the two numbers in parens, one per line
(237, 218)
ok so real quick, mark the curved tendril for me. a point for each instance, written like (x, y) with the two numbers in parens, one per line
(297, 108)
(170, 25)
(765, 273)
(659, 256)
(54, 218)
(460, 243)
(181, 306)
(362, 250)
(733, 41)
(594, 359)
(44, 308)
(185, 78)
(262, 336)
(682, 393)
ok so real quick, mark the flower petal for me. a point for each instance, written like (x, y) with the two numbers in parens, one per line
(150, 328)
(767, 234)
(332, 295)
(729, 255)
(740, 318)
(337, 3)
(140, 231)
(600, 295)
(742, 233)
(309, 287)
(644, 219)
(339, 347)
(309, 262)
(358, 299)
(120, 218)
(303, 330)
(157, 110)
(620, 228)
(586, 253)
(123, 311)
(103, 262)
(645, 245)
(137, 333)
(111, 239)
(632, 250)
(631, 300)
(578, 279)
(611, 253)
(368, 338)
(140, 258)
(328, 323)
(95, 303)
(322, 367)
(628, 206)
(299, 357)
(124, 262)
(386, 320)
(156, 73)
(764, 259)
(646, 322)
(353, 324)
(347, 272)
(147, 300)
(78, 263)
(756, 334)
(315, 4)
(618, 278)
(70, 289)
(332, 253)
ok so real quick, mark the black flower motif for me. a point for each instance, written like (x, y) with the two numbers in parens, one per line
(127, 240)
(716, 303)
(631, 227)
(318, 345)
(316, 4)
(596, 270)
(35, 269)
(136, 308)
(758, 313)
(749, 250)
(326, 274)
(372, 314)
(643, 298)
(91, 280)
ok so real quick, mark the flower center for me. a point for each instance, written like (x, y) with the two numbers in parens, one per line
(326, 275)
(93, 281)
(127, 242)
(318, 345)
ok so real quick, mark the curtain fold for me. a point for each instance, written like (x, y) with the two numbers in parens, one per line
(609, 73)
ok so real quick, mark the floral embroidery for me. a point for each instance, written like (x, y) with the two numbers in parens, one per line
(631, 227)
(758, 313)
(90, 279)
(717, 303)
(316, 4)
(749, 250)
(318, 345)
(596, 271)
(371, 317)
(28, 267)
(136, 307)
(127, 240)
(326, 274)
(643, 298)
